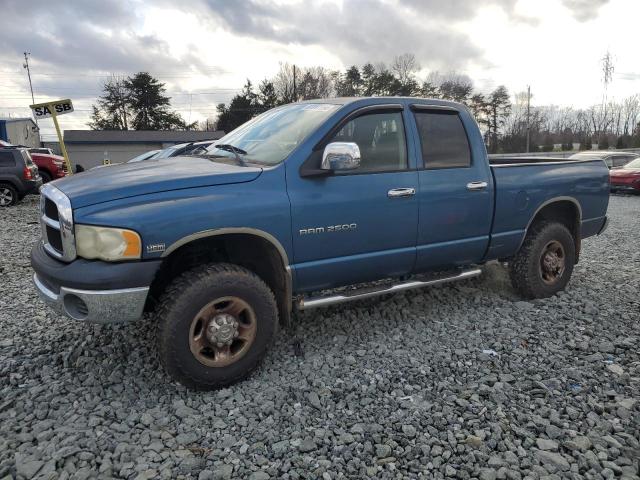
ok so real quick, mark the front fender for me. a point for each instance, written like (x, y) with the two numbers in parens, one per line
(168, 219)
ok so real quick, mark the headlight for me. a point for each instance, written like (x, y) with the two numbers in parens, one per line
(109, 244)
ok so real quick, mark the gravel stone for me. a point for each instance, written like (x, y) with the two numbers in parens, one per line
(412, 395)
(545, 444)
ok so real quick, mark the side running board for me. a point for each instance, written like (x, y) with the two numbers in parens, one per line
(343, 297)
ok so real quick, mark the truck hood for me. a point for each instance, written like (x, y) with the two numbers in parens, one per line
(150, 176)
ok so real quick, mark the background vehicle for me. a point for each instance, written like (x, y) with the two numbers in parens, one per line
(612, 159)
(626, 178)
(144, 156)
(138, 158)
(301, 200)
(18, 176)
(46, 151)
(51, 167)
(184, 149)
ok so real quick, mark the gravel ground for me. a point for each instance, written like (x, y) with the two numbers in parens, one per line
(463, 381)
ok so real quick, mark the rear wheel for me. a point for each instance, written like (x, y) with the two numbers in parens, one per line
(215, 324)
(8, 195)
(544, 264)
(45, 176)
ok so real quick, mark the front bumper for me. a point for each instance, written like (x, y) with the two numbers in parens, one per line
(93, 291)
(95, 306)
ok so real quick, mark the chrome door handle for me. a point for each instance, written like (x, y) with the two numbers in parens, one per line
(401, 192)
(477, 185)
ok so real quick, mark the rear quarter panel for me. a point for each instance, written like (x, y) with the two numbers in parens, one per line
(522, 190)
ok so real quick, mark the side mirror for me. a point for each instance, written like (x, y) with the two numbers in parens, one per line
(339, 156)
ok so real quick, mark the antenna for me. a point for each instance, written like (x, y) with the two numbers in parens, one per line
(26, 65)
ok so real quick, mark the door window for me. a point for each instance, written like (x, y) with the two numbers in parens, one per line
(443, 139)
(381, 139)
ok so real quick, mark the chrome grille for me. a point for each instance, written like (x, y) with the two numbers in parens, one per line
(56, 219)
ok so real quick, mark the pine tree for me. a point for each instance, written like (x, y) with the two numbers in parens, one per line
(137, 103)
(112, 110)
(150, 105)
(499, 106)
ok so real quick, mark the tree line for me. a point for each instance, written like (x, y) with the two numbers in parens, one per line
(140, 102)
(502, 117)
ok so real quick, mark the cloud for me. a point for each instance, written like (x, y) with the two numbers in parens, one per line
(86, 35)
(358, 31)
(584, 10)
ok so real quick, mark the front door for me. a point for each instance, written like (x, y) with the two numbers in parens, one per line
(358, 225)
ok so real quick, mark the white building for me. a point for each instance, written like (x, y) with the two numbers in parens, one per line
(89, 148)
(20, 131)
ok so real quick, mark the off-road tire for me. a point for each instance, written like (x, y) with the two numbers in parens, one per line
(46, 178)
(524, 269)
(11, 191)
(181, 302)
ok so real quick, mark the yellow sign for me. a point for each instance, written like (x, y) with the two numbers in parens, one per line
(52, 110)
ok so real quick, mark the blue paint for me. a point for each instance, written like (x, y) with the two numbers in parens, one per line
(443, 225)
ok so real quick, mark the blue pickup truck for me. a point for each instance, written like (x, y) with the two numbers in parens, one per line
(306, 205)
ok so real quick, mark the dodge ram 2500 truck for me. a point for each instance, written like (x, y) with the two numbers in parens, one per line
(302, 207)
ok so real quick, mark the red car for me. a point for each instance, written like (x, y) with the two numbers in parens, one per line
(626, 178)
(50, 166)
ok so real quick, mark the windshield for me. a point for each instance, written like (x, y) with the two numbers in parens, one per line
(168, 152)
(633, 164)
(269, 138)
(143, 156)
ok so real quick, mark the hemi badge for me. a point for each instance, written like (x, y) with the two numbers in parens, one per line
(155, 248)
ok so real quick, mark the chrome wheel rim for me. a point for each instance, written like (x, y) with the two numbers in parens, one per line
(552, 262)
(222, 332)
(6, 197)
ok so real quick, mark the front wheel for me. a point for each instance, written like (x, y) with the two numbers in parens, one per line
(215, 324)
(544, 264)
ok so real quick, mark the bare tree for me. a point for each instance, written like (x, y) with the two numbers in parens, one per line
(405, 67)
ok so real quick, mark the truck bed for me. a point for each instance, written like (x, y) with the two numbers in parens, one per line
(525, 185)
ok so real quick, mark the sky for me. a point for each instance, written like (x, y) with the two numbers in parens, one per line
(204, 50)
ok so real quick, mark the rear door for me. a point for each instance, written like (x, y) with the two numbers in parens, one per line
(361, 224)
(456, 189)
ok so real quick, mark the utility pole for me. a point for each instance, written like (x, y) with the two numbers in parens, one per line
(26, 65)
(528, 115)
(607, 75)
(295, 92)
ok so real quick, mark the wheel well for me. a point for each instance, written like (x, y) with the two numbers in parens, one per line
(565, 212)
(250, 251)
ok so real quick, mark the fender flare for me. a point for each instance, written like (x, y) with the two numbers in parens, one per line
(546, 204)
(216, 232)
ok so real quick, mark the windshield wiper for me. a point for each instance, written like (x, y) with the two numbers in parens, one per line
(235, 150)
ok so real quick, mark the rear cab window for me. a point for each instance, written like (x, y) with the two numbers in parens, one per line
(443, 139)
